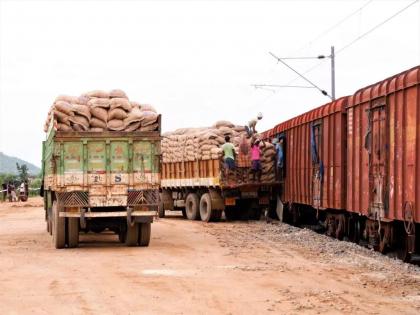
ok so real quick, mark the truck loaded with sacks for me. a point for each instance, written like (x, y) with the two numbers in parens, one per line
(193, 175)
(101, 167)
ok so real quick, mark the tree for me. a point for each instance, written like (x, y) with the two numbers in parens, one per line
(23, 172)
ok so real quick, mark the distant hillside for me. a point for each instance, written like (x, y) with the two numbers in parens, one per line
(8, 165)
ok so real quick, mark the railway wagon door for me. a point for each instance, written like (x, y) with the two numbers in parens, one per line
(376, 143)
(317, 166)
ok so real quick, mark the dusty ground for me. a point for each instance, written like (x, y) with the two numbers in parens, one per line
(196, 268)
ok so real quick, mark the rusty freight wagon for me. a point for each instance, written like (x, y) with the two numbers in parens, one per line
(94, 181)
(199, 189)
(383, 161)
(314, 160)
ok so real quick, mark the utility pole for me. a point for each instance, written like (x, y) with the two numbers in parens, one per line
(332, 57)
(312, 85)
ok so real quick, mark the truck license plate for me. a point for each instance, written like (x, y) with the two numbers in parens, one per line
(230, 201)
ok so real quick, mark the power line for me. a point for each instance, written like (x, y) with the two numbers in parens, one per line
(359, 37)
(377, 26)
(258, 86)
(328, 30)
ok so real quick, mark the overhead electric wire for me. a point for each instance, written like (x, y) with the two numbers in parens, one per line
(328, 30)
(359, 37)
(376, 26)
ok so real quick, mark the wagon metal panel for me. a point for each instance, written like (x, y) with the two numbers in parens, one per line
(320, 184)
(398, 143)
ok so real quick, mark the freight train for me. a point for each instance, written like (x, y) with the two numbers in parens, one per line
(352, 166)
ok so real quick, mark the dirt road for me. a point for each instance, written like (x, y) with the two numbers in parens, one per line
(197, 268)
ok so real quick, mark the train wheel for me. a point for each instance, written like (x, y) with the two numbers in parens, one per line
(205, 207)
(341, 223)
(192, 206)
(58, 227)
(403, 252)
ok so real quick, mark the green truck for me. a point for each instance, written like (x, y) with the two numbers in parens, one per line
(94, 181)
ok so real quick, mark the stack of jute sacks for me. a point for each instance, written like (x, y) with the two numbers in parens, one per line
(192, 144)
(99, 111)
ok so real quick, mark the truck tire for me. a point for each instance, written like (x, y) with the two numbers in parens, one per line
(161, 210)
(144, 234)
(192, 206)
(132, 235)
(58, 227)
(73, 232)
(205, 207)
(121, 236)
(49, 225)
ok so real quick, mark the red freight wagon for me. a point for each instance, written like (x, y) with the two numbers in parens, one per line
(314, 165)
(383, 158)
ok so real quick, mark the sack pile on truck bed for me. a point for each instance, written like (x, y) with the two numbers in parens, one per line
(99, 111)
(192, 144)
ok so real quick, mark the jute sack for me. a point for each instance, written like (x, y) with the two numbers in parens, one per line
(135, 104)
(133, 126)
(223, 123)
(60, 116)
(149, 127)
(82, 100)
(239, 128)
(97, 123)
(134, 115)
(99, 113)
(77, 127)
(116, 125)
(269, 152)
(80, 120)
(97, 94)
(63, 127)
(147, 108)
(117, 93)
(82, 110)
(64, 107)
(100, 102)
(119, 102)
(66, 98)
(117, 113)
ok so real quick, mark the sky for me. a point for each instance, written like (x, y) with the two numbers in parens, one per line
(195, 61)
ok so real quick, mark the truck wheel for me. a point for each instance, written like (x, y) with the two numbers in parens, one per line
(73, 232)
(132, 235)
(58, 227)
(161, 210)
(192, 204)
(205, 207)
(144, 234)
(121, 236)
